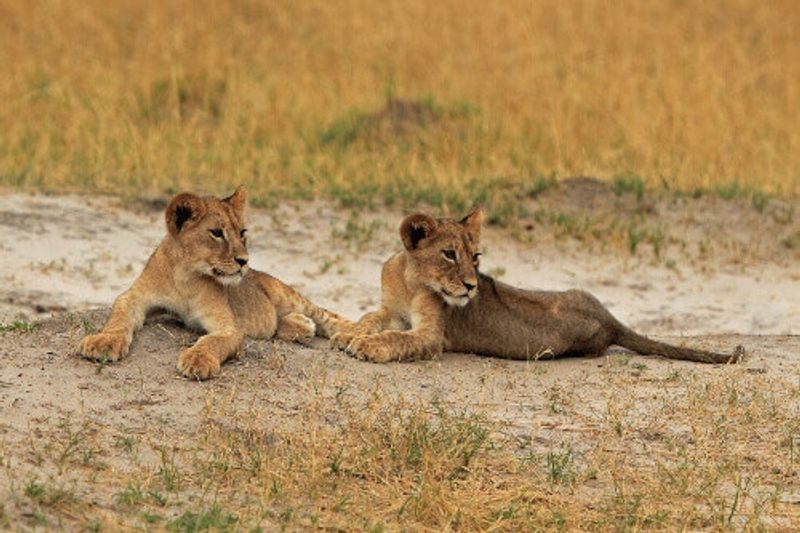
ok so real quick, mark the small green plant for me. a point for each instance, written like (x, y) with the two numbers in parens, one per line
(168, 470)
(759, 199)
(127, 443)
(158, 498)
(728, 191)
(559, 521)
(71, 441)
(629, 183)
(357, 232)
(34, 490)
(19, 326)
(151, 518)
(87, 456)
(541, 184)
(88, 327)
(635, 236)
(506, 513)
(214, 518)
(132, 496)
(559, 466)
(555, 400)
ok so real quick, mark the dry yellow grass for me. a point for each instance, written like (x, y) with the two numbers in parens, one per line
(716, 454)
(148, 97)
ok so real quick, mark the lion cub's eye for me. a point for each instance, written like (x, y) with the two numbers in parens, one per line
(216, 233)
(242, 233)
(450, 255)
(476, 257)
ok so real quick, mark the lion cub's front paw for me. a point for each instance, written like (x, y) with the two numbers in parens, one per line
(104, 346)
(198, 363)
(342, 339)
(370, 348)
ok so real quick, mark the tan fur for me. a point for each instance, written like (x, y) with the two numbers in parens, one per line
(205, 279)
(434, 299)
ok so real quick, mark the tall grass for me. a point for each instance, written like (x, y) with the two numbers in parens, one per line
(301, 98)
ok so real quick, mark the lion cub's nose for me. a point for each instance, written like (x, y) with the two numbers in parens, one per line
(469, 286)
(241, 260)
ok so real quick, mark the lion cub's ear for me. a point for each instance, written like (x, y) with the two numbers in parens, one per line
(472, 223)
(182, 210)
(238, 199)
(416, 228)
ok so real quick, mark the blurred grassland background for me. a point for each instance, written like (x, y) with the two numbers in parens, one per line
(445, 102)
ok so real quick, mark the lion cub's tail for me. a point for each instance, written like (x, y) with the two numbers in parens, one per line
(631, 340)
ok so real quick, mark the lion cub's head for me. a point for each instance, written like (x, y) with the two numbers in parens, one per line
(444, 254)
(210, 234)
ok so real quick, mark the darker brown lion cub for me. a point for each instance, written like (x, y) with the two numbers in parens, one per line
(434, 299)
(200, 272)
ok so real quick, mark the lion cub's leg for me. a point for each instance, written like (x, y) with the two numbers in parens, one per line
(370, 323)
(296, 327)
(203, 360)
(222, 341)
(424, 340)
(420, 343)
(127, 315)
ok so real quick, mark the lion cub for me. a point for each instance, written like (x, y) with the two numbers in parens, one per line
(434, 299)
(200, 272)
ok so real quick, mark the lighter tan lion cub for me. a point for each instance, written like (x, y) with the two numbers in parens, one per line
(200, 272)
(434, 299)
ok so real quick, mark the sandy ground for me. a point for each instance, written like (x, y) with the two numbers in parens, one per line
(64, 255)
(76, 253)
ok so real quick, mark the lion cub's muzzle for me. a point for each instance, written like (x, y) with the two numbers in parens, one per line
(462, 298)
(230, 276)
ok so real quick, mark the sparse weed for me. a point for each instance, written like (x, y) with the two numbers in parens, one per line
(542, 184)
(356, 232)
(629, 183)
(71, 442)
(759, 200)
(126, 442)
(158, 499)
(168, 469)
(728, 191)
(215, 519)
(132, 496)
(559, 466)
(88, 327)
(151, 518)
(18, 326)
(34, 490)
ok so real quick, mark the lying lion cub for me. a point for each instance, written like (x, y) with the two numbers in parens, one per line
(434, 299)
(200, 272)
